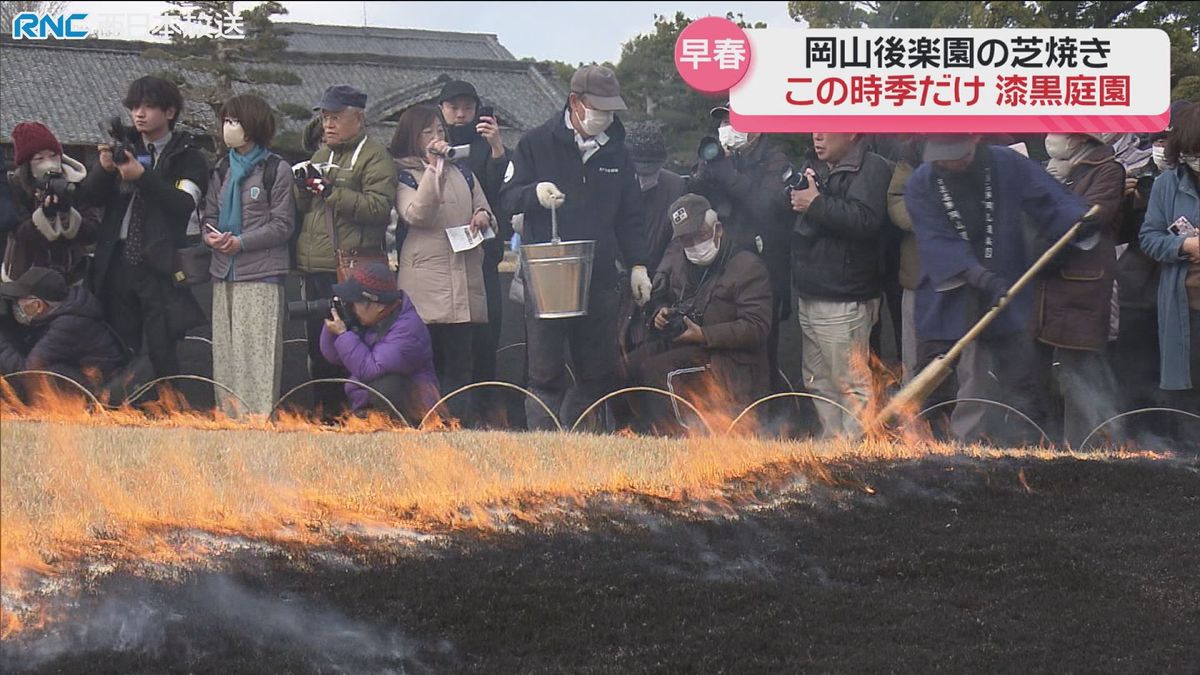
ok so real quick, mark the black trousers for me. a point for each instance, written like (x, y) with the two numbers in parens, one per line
(485, 337)
(401, 393)
(651, 364)
(452, 362)
(593, 347)
(136, 300)
(330, 397)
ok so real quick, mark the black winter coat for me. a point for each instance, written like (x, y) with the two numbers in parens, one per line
(747, 192)
(168, 208)
(836, 243)
(70, 338)
(603, 198)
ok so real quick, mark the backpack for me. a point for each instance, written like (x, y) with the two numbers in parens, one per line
(270, 168)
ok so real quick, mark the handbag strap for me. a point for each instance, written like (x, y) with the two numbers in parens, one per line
(330, 228)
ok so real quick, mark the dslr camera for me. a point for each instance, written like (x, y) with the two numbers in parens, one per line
(710, 149)
(124, 139)
(798, 180)
(675, 325)
(54, 183)
(323, 309)
(305, 171)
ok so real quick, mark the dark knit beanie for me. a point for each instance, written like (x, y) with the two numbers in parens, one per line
(30, 138)
(645, 142)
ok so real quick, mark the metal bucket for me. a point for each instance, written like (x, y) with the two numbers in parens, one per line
(558, 277)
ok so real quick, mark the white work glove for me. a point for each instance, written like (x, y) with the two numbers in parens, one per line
(639, 281)
(549, 196)
(518, 223)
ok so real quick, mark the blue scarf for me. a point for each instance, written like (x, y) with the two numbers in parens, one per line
(240, 166)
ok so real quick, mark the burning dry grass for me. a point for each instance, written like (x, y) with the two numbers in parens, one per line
(77, 491)
(73, 493)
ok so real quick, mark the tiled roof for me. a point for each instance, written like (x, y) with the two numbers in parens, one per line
(73, 88)
(320, 39)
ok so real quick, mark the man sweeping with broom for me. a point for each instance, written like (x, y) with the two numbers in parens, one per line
(966, 202)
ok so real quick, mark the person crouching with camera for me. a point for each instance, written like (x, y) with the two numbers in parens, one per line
(711, 306)
(374, 331)
(54, 231)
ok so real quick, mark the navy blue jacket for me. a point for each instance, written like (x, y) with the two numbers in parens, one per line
(603, 197)
(71, 337)
(1022, 187)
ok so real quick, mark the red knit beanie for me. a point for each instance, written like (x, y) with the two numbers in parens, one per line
(30, 138)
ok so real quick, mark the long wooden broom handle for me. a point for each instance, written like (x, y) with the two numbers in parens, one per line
(1016, 288)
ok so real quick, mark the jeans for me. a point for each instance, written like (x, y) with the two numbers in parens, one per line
(908, 331)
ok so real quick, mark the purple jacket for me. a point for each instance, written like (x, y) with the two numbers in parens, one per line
(398, 345)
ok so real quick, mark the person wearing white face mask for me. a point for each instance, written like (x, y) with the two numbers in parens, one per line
(51, 233)
(577, 163)
(63, 330)
(1073, 302)
(248, 219)
(1171, 235)
(745, 187)
(1134, 354)
(711, 307)
(660, 188)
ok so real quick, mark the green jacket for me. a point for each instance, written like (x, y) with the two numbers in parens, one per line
(360, 203)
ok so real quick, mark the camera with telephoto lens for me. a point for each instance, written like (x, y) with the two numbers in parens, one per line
(124, 139)
(710, 149)
(56, 184)
(798, 180)
(675, 324)
(323, 309)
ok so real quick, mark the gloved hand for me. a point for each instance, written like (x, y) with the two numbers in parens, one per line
(1090, 224)
(518, 223)
(639, 283)
(549, 196)
(994, 286)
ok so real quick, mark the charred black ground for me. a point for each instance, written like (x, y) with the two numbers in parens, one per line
(951, 565)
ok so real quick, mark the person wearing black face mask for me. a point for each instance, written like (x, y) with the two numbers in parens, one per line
(489, 161)
(660, 188)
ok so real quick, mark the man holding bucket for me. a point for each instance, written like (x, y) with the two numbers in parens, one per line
(574, 180)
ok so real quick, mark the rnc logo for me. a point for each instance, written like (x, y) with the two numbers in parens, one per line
(36, 26)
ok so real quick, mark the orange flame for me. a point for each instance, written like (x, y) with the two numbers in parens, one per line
(148, 490)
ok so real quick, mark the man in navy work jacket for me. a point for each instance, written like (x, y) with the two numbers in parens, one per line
(577, 162)
(966, 202)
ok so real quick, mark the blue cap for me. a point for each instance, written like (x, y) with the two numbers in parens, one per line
(341, 96)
